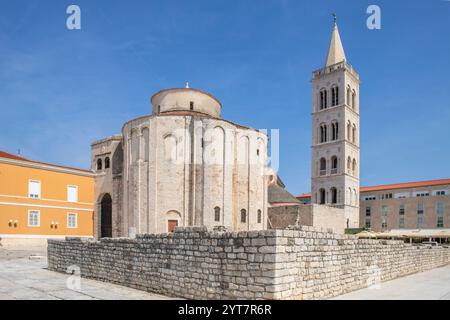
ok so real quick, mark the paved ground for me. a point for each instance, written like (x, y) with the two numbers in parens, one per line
(429, 285)
(25, 278)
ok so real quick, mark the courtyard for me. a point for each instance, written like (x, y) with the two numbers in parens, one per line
(23, 276)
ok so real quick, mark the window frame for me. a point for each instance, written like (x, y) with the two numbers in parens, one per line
(38, 212)
(39, 195)
(76, 220)
(68, 188)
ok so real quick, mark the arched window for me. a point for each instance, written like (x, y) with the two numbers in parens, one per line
(354, 133)
(323, 166)
(350, 200)
(217, 214)
(323, 99)
(334, 164)
(322, 196)
(349, 131)
(334, 96)
(354, 100)
(243, 215)
(349, 94)
(333, 191)
(107, 164)
(323, 133)
(99, 164)
(259, 216)
(349, 165)
(334, 130)
(354, 167)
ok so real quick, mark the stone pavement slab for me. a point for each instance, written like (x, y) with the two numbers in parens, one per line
(429, 285)
(28, 279)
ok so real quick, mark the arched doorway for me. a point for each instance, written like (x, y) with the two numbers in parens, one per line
(106, 217)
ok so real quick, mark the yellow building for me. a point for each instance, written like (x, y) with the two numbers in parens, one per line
(40, 201)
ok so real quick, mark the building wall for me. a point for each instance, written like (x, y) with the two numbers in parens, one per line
(410, 204)
(183, 167)
(318, 216)
(305, 263)
(345, 180)
(52, 205)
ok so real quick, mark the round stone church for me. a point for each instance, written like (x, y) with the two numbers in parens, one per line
(183, 165)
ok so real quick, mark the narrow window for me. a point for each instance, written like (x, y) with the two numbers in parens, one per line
(217, 214)
(72, 194)
(191, 105)
(354, 134)
(34, 218)
(107, 164)
(34, 189)
(72, 222)
(440, 214)
(354, 100)
(368, 211)
(334, 164)
(333, 195)
(257, 152)
(384, 214)
(243, 216)
(322, 196)
(259, 216)
(323, 166)
(99, 164)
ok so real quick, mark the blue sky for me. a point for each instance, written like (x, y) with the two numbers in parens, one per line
(60, 90)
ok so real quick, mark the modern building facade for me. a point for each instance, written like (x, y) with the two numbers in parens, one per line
(183, 165)
(410, 205)
(40, 200)
(335, 136)
(414, 205)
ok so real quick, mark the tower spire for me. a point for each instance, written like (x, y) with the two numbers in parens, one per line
(336, 52)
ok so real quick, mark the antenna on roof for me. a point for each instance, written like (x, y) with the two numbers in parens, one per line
(187, 85)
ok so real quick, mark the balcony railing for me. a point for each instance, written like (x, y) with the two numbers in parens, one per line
(334, 67)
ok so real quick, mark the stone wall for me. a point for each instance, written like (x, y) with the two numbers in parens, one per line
(314, 215)
(304, 263)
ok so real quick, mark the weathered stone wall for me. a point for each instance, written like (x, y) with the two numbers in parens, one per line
(305, 263)
(317, 216)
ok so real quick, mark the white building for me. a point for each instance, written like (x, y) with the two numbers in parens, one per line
(183, 165)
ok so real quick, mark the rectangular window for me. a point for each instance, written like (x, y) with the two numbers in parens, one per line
(420, 208)
(401, 222)
(368, 224)
(420, 222)
(367, 198)
(34, 218)
(440, 214)
(422, 193)
(440, 192)
(368, 211)
(72, 194)
(34, 189)
(72, 220)
(384, 214)
(401, 209)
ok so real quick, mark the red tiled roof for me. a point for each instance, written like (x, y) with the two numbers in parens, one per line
(404, 185)
(7, 155)
(4, 154)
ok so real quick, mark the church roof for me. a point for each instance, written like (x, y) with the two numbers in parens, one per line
(277, 194)
(336, 52)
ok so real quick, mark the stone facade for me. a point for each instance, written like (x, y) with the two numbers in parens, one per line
(304, 263)
(335, 136)
(318, 216)
(181, 166)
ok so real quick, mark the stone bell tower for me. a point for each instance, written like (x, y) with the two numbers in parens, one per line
(335, 144)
